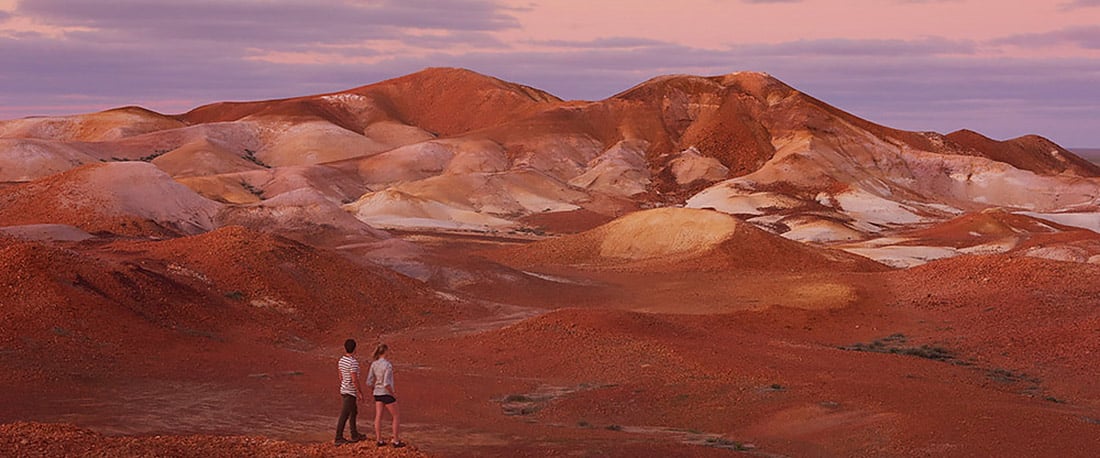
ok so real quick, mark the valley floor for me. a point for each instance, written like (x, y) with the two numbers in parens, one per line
(971, 356)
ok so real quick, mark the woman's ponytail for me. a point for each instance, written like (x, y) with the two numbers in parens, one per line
(380, 350)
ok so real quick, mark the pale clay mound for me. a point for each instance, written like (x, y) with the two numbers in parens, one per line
(46, 232)
(427, 159)
(142, 190)
(302, 213)
(31, 159)
(468, 201)
(335, 184)
(689, 166)
(317, 142)
(95, 127)
(665, 232)
(235, 137)
(395, 209)
(125, 189)
(229, 188)
(202, 158)
(620, 171)
(253, 186)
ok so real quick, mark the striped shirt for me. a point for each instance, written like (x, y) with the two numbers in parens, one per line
(381, 375)
(349, 368)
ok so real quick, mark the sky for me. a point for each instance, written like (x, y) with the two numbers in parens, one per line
(1001, 67)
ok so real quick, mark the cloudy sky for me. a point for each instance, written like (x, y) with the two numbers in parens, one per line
(1002, 67)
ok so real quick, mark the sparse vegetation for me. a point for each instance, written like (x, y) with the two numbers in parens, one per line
(532, 230)
(519, 404)
(250, 155)
(155, 154)
(517, 398)
(235, 295)
(614, 428)
(894, 344)
(1009, 376)
(720, 442)
(147, 158)
(252, 189)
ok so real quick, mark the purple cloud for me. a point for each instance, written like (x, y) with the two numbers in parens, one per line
(851, 47)
(266, 23)
(1087, 37)
(1080, 4)
(606, 43)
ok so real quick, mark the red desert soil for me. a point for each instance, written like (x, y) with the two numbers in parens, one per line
(37, 439)
(731, 359)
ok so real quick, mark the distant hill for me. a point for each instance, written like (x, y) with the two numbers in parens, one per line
(1092, 154)
(454, 150)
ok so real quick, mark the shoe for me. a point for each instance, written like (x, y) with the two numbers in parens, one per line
(357, 437)
(398, 444)
(381, 443)
(340, 441)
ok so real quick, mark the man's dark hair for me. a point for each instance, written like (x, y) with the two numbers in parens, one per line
(349, 345)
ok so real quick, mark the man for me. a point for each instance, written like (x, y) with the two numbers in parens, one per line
(351, 394)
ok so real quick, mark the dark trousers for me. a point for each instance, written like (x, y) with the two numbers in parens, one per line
(347, 414)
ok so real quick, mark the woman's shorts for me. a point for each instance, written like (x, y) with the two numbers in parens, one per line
(385, 399)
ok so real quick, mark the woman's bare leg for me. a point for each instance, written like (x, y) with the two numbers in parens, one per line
(377, 421)
(396, 414)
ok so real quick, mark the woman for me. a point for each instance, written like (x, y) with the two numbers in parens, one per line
(381, 378)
